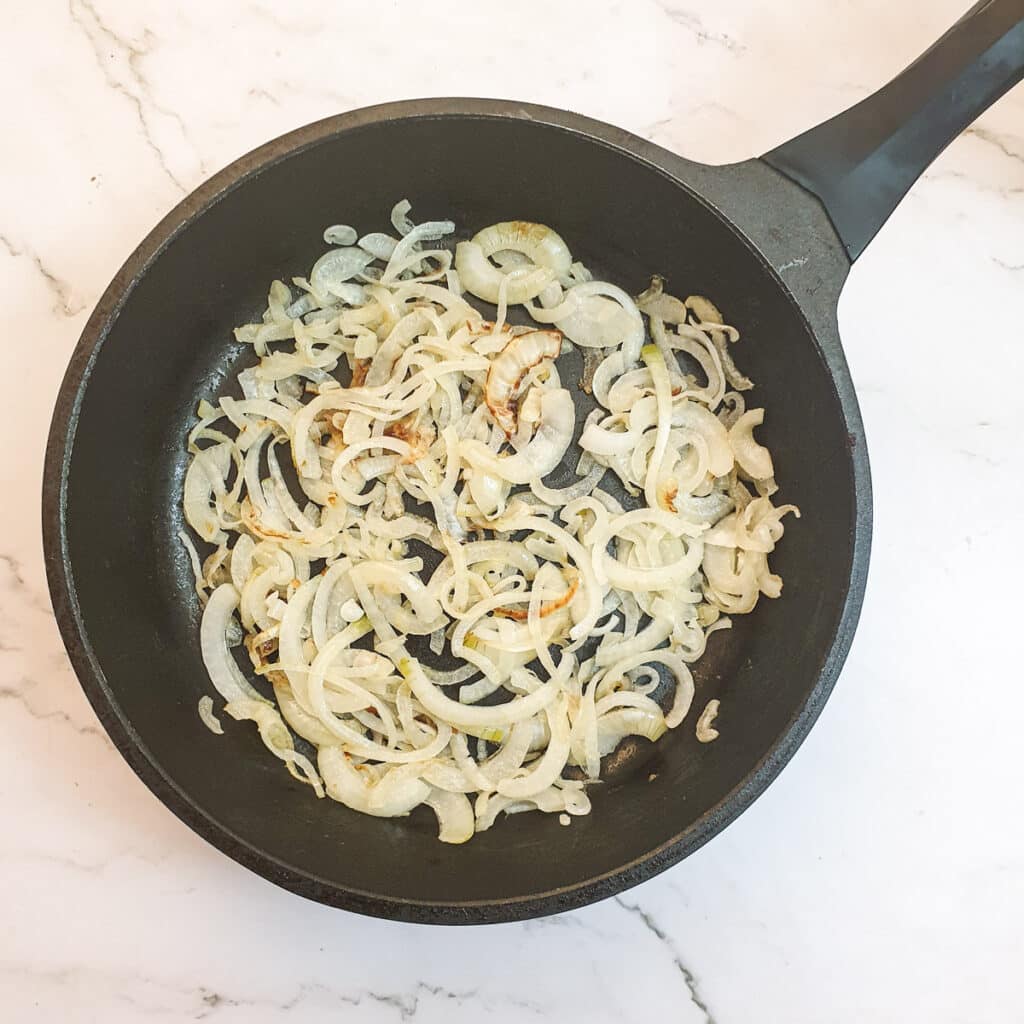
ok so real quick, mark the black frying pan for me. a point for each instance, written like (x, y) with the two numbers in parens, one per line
(770, 240)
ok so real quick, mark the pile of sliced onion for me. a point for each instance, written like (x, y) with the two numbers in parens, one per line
(433, 622)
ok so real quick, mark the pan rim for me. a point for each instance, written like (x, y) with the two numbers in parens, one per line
(75, 635)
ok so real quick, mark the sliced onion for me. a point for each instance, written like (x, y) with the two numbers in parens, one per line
(203, 479)
(340, 234)
(538, 242)
(544, 451)
(605, 317)
(706, 732)
(276, 738)
(616, 725)
(465, 716)
(379, 246)
(209, 719)
(466, 418)
(335, 268)
(548, 767)
(754, 459)
(345, 784)
(454, 816)
(223, 671)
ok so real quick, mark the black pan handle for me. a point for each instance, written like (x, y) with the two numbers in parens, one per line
(861, 163)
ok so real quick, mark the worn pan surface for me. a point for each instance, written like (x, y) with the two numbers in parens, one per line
(771, 240)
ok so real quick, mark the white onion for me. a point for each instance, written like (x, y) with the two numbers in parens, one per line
(616, 725)
(454, 816)
(335, 268)
(308, 726)
(706, 732)
(559, 496)
(403, 255)
(468, 716)
(541, 454)
(605, 317)
(210, 720)
(663, 393)
(447, 411)
(340, 234)
(399, 217)
(754, 459)
(348, 786)
(204, 478)
(542, 246)
(599, 441)
(276, 738)
(379, 246)
(548, 767)
(224, 673)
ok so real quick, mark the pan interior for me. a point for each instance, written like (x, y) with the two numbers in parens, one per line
(171, 345)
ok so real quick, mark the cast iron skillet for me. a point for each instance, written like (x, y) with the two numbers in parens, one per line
(771, 240)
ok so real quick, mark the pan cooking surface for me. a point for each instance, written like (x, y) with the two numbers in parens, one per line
(135, 638)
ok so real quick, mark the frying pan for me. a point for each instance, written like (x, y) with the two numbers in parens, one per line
(771, 240)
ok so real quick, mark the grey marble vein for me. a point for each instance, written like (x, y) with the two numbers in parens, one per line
(64, 301)
(14, 567)
(138, 92)
(11, 693)
(6, 647)
(978, 457)
(275, 15)
(659, 933)
(693, 23)
(17, 580)
(263, 94)
(653, 130)
(114, 863)
(406, 1004)
(973, 182)
(995, 139)
(1012, 267)
(153, 997)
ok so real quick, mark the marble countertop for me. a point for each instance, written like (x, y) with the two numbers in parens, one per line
(881, 878)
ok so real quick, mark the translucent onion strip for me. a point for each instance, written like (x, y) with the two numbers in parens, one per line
(456, 605)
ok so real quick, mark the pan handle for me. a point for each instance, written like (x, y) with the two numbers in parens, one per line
(861, 163)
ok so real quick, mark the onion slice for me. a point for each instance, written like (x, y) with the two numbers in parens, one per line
(455, 605)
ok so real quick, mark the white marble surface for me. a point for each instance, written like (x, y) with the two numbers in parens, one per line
(882, 877)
